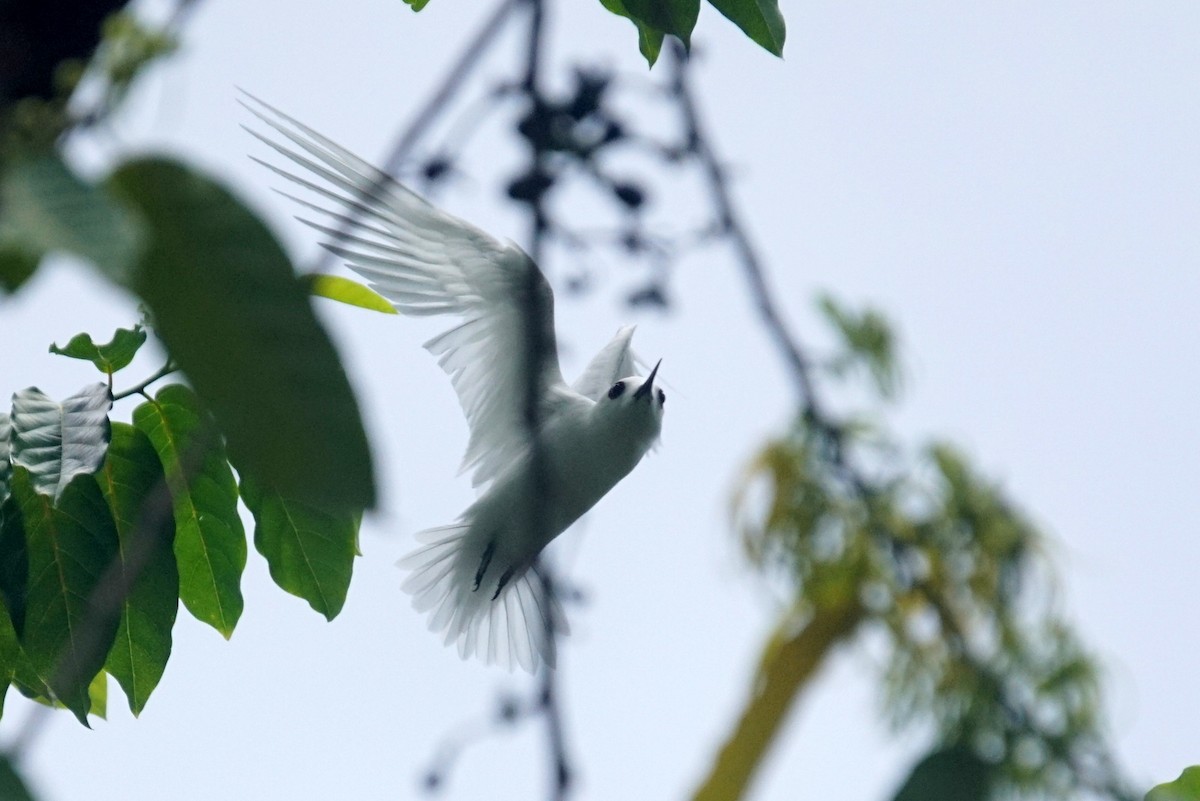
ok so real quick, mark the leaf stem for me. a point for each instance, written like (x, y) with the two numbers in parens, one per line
(140, 389)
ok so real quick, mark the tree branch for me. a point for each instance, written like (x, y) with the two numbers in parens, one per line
(535, 312)
(140, 389)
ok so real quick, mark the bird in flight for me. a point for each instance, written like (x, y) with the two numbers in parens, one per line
(541, 452)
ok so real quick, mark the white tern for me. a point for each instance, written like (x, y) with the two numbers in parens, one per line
(475, 576)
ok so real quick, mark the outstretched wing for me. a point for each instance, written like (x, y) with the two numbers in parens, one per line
(429, 262)
(615, 361)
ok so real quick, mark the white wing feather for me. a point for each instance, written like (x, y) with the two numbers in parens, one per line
(429, 262)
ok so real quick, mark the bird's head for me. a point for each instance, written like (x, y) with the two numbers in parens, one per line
(637, 402)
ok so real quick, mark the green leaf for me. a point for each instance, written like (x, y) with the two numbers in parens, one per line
(15, 667)
(310, 552)
(16, 266)
(70, 544)
(761, 20)
(14, 564)
(650, 43)
(110, 357)
(29, 683)
(5, 454)
(346, 291)
(416, 5)
(16, 670)
(649, 40)
(132, 481)
(10, 649)
(97, 695)
(674, 17)
(1185, 788)
(210, 544)
(947, 774)
(45, 207)
(226, 303)
(57, 441)
(12, 786)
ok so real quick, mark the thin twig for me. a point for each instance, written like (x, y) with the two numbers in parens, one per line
(536, 311)
(731, 226)
(140, 389)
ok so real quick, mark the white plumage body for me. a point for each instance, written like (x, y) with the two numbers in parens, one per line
(585, 448)
(475, 576)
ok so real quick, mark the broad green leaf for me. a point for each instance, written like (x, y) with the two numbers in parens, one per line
(1185, 788)
(29, 683)
(109, 357)
(97, 695)
(346, 291)
(45, 207)
(16, 266)
(955, 773)
(10, 649)
(227, 304)
(15, 668)
(12, 786)
(14, 564)
(5, 454)
(674, 17)
(70, 545)
(57, 441)
(310, 552)
(416, 5)
(650, 42)
(761, 20)
(210, 543)
(649, 39)
(132, 480)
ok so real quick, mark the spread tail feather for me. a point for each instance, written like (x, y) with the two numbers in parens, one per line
(508, 627)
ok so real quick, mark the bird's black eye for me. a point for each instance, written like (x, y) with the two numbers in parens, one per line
(662, 398)
(616, 390)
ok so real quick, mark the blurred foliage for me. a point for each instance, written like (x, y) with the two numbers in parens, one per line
(12, 786)
(128, 47)
(42, 39)
(956, 773)
(868, 343)
(46, 208)
(49, 48)
(106, 526)
(230, 312)
(935, 558)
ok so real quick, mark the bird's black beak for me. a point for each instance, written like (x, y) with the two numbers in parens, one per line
(644, 390)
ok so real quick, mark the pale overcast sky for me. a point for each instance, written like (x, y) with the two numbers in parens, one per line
(1017, 185)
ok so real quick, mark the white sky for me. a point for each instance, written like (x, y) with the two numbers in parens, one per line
(1016, 184)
